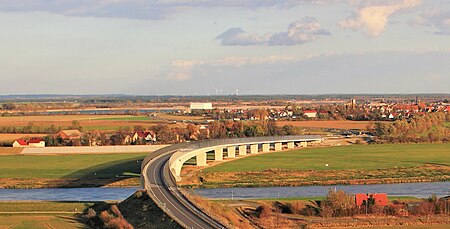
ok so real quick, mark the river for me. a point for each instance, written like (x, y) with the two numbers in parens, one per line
(420, 190)
(67, 194)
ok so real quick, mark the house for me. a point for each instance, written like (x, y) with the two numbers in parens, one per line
(378, 198)
(33, 142)
(36, 142)
(69, 134)
(310, 113)
(204, 131)
(20, 143)
(141, 135)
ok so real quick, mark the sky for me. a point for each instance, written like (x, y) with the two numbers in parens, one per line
(210, 47)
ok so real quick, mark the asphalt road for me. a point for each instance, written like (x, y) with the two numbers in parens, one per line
(162, 187)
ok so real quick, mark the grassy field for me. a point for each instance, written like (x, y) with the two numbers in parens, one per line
(70, 171)
(70, 166)
(361, 157)
(37, 215)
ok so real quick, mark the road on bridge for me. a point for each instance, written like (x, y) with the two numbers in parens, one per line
(161, 185)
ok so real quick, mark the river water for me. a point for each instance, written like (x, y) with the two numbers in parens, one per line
(67, 194)
(420, 190)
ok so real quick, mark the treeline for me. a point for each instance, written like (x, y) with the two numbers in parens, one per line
(30, 129)
(340, 204)
(431, 127)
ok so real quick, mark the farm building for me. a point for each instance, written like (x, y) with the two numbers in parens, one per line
(69, 134)
(201, 106)
(33, 142)
(377, 198)
(310, 113)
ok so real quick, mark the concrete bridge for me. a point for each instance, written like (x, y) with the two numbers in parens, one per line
(161, 169)
(235, 147)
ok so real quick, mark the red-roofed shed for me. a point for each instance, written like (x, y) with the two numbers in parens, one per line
(379, 198)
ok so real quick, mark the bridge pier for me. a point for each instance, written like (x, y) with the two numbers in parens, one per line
(243, 150)
(266, 147)
(201, 159)
(278, 146)
(231, 150)
(253, 149)
(290, 145)
(303, 144)
(218, 154)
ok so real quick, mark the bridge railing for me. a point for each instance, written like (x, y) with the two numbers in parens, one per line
(231, 141)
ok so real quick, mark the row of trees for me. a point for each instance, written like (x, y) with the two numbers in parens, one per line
(431, 127)
(340, 204)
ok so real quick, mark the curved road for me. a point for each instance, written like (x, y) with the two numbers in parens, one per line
(162, 188)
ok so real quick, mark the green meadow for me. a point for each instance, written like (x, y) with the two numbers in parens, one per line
(360, 157)
(71, 166)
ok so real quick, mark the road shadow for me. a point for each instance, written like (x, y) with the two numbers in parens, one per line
(123, 173)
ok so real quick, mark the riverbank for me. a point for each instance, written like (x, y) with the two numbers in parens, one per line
(25, 183)
(281, 177)
(355, 164)
(291, 214)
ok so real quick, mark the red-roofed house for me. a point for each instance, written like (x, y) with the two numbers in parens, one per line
(447, 109)
(20, 143)
(33, 142)
(36, 142)
(310, 113)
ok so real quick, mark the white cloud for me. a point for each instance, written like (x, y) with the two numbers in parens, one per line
(440, 20)
(374, 18)
(298, 32)
(135, 9)
(181, 70)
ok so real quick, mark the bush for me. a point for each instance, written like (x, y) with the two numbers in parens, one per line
(264, 211)
(339, 204)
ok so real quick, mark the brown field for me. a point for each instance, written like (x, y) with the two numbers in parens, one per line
(10, 150)
(12, 137)
(337, 124)
(89, 122)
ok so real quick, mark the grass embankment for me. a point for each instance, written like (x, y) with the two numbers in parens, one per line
(37, 215)
(39, 171)
(356, 164)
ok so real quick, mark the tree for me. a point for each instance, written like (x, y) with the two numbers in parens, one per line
(76, 125)
(8, 106)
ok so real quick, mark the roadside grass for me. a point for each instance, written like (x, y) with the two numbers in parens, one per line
(358, 157)
(70, 166)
